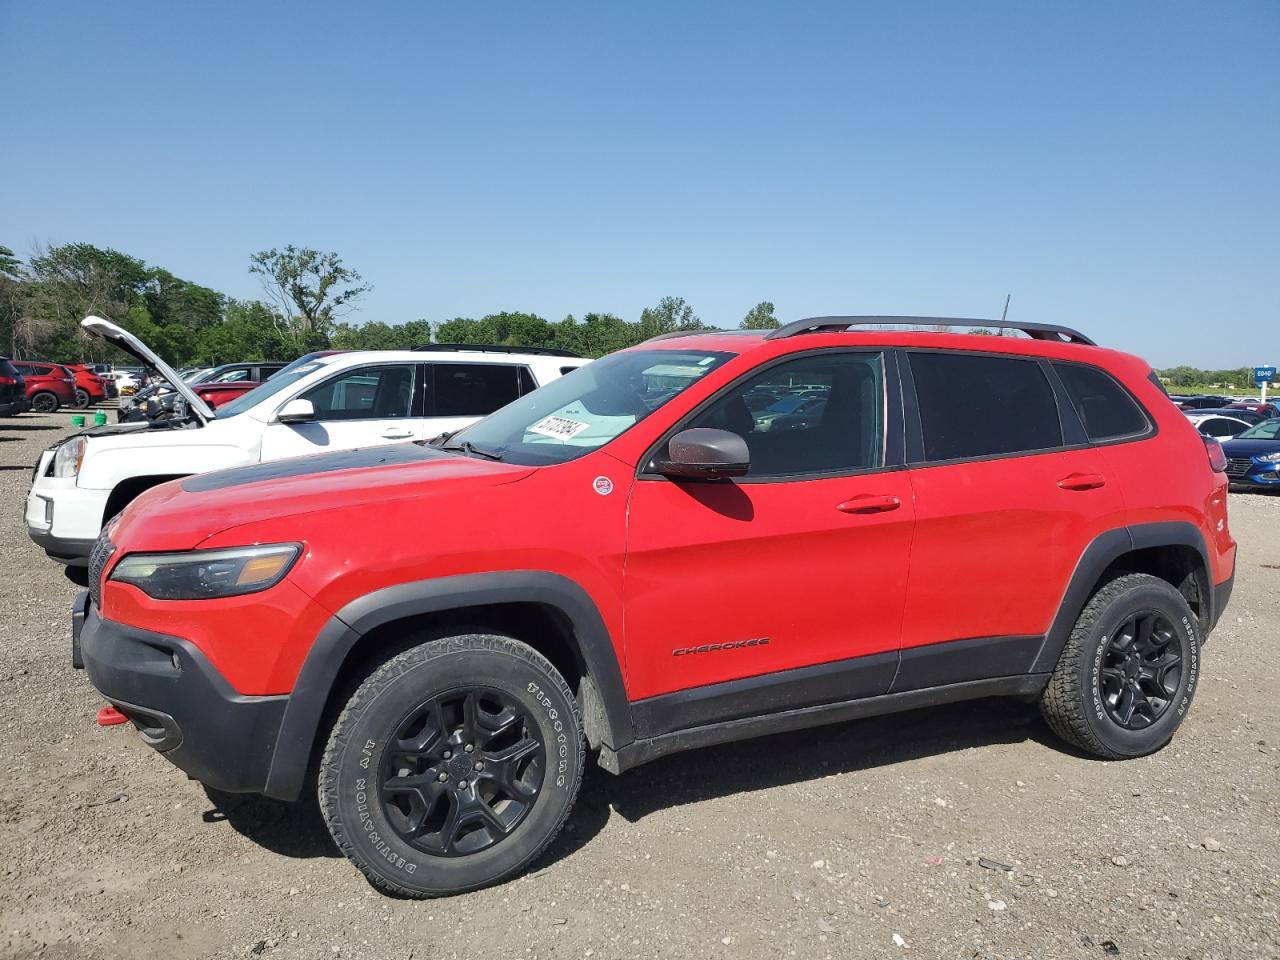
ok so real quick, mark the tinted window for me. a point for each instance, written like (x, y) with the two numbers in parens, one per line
(527, 383)
(472, 389)
(972, 406)
(1221, 427)
(1105, 407)
(816, 414)
(365, 393)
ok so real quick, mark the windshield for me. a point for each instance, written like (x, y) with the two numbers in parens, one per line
(281, 381)
(1267, 430)
(587, 408)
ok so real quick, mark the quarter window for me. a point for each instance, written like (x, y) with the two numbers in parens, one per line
(983, 406)
(817, 414)
(365, 393)
(474, 389)
(1105, 408)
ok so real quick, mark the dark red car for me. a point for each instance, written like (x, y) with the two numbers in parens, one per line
(646, 556)
(1266, 409)
(216, 394)
(49, 385)
(90, 388)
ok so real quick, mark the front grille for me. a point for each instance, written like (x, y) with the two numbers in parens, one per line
(1238, 468)
(99, 557)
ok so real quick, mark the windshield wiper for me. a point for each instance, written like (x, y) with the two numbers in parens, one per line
(471, 450)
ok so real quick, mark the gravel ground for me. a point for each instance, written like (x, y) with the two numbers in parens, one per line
(965, 831)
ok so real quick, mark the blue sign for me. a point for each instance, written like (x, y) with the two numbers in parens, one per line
(1263, 375)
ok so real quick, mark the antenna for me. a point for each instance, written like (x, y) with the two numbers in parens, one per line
(1004, 313)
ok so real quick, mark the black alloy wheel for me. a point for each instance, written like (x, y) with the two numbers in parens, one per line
(1141, 671)
(462, 771)
(83, 400)
(44, 403)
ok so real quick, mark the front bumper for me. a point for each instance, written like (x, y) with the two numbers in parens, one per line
(62, 518)
(180, 704)
(1253, 473)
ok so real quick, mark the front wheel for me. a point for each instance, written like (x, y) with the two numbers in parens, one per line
(1128, 672)
(452, 766)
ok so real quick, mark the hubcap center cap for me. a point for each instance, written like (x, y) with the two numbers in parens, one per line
(459, 766)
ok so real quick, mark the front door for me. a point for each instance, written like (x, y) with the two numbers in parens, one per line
(357, 407)
(800, 564)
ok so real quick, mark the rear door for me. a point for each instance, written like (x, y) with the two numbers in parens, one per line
(355, 407)
(459, 394)
(1009, 493)
(794, 575)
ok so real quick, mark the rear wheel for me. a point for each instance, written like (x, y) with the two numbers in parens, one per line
(452, 766)
(45, 402)
(1128, 673)
(82, 399)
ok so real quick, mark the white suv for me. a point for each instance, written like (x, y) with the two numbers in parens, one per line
(318, 403)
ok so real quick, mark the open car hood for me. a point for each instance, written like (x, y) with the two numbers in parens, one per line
(131, 345)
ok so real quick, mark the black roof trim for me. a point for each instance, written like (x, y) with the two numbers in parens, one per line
(1036, 331)
(495, 348)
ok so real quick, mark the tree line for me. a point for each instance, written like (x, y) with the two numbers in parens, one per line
(307, 299)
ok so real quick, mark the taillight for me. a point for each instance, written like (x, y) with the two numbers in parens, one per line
(7, 381)
(1217, 459)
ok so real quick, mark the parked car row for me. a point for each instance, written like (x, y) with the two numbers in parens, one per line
(320, 402)
(707, 537)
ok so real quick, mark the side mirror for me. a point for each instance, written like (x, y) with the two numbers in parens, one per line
(296, 411)
(705, 454)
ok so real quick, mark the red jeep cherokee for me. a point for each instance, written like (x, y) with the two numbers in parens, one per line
(704, 538)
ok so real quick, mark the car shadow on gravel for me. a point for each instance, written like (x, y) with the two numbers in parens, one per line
(788, 758)
(297, 830)
(290, 829)
(6, 427)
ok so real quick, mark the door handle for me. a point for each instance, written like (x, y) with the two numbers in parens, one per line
(397, 434)
(1083, 481)
(870, 503)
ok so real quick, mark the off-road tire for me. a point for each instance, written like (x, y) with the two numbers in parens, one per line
(1072, 701)
(349, 775)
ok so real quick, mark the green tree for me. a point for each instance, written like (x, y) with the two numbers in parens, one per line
(670, 314)
(309, 289)
(760, 317)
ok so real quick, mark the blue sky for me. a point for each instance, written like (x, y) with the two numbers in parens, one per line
(1113, 166)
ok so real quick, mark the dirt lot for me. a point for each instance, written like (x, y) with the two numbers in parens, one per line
(859, 840)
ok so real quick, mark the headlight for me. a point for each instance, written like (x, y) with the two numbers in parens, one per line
(1270, 457)
(206, 574)
(66, 462)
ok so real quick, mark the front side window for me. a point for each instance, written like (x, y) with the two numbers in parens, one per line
(1105, 408)
(983, 406)
(1221, 427)
(365, 393)
(817, 414)
(585, 409)
(473, 389)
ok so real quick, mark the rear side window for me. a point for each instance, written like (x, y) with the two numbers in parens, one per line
(979, 406)
(1105, 408)
(473, 389)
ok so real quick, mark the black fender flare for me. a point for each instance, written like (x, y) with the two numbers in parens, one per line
(1103, 551)
(309, 697)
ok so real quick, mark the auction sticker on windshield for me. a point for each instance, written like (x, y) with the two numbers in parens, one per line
(558, 428)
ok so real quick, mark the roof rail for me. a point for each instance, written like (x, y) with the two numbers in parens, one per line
(1036, 331)
(496, 348)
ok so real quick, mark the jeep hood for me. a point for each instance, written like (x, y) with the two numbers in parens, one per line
(181, 514)
(126, 341)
